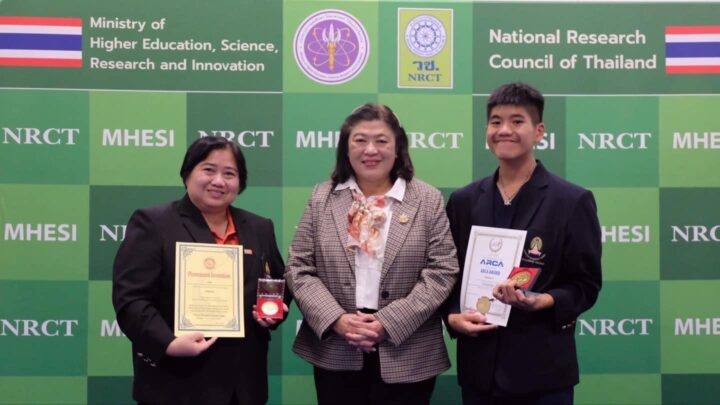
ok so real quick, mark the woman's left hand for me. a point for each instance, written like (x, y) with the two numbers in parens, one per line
(267, 322)
(368, 332)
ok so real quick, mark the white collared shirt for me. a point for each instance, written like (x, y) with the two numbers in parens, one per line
(368, 269)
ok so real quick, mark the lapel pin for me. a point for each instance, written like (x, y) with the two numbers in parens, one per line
(404, 219)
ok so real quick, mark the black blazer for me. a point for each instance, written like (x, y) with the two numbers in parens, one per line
(536, 351)
(143, 297)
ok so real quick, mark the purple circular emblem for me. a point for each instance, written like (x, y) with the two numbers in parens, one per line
(425, 36)
(331, 46)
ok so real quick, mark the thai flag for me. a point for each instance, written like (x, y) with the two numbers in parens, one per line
(694, 49)
(41, 41)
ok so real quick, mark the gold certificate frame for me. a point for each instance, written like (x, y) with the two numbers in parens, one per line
(208, 290)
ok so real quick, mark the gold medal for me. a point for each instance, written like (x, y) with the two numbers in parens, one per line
(483, 305)
(522, 277)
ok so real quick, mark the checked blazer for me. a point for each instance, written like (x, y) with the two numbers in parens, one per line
(418, 273)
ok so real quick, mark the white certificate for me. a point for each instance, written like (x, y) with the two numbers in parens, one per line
(491, 255)
(208, 289)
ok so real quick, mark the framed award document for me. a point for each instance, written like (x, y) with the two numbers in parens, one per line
(492, 254)
(209, 289)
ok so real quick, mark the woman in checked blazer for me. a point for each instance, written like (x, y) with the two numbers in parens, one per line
(371, 262)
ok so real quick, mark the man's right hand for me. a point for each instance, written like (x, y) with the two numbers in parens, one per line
(469, 323)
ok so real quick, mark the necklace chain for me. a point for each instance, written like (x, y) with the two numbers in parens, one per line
(507, 199)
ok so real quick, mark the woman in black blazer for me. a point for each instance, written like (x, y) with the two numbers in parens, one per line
(190, 369)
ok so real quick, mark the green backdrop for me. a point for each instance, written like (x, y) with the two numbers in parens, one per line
(82, 147)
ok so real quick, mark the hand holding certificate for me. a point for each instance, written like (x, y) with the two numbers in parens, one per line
(208, 290)
(491, 256)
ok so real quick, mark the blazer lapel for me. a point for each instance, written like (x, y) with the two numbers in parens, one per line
(194, 222)
(531, 199)
(252, 252)
(484, 198)
(340, 202)
(241, 226)
(403, 216)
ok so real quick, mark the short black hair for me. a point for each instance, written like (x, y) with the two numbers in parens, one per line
(201, 148)
(519, 94)
(403, 166)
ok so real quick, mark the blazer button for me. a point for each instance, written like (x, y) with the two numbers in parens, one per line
(385, 294)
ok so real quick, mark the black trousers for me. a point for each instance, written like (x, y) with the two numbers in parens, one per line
(233, 401)
(366, 387)
(559, 397)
